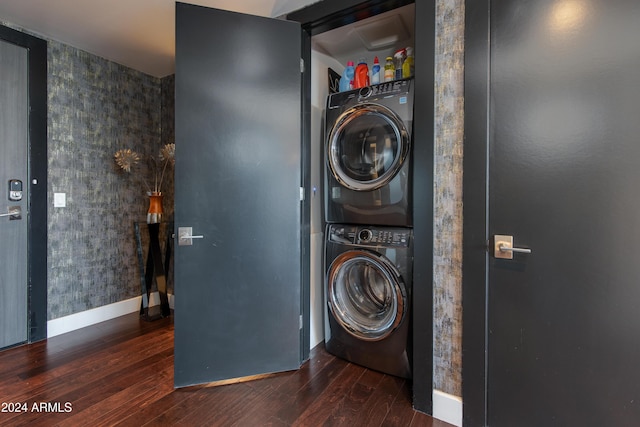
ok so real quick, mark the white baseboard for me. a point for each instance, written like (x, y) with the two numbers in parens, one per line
(447, 407)
(65, 324)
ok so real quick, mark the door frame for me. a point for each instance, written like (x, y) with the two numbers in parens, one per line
(475, 255)
(37, 177)
(327, 15)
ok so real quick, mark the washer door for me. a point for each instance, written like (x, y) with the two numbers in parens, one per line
(367, 146)
(366, 294)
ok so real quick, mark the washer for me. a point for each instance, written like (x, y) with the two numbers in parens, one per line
(368, 155)
(368, 273)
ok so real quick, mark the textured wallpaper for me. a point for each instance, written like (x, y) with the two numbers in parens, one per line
(449, 134)
(95, 108)
(168, 136)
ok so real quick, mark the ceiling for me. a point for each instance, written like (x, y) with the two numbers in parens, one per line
(136, 33)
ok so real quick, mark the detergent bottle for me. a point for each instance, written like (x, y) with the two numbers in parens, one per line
(389, 70)
(408, 64)
(362, 75)
(346, 81)
(398, 60)
(375, 71)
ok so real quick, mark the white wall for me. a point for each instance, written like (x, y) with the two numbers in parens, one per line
(319, 92)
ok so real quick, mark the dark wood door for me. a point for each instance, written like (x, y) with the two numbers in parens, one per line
(563, 151)
(238, 179)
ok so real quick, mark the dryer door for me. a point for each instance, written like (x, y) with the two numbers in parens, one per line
(366, 294)
(367, 146)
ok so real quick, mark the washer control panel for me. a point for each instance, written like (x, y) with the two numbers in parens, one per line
(369, 236)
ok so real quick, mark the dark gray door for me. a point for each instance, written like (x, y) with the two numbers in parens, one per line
(564, 156)
(238, 178)
(13, 165)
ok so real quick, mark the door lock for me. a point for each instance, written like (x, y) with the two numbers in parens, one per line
(15, 190)
(503, 247)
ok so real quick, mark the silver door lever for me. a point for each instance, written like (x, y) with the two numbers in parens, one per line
(15, 212)
(185, 236)
(503, 247)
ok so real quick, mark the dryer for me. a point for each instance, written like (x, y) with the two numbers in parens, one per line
(368, 155)
(368, 273)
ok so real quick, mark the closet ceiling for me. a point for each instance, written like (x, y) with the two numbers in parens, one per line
(136, 33)
(378, 36)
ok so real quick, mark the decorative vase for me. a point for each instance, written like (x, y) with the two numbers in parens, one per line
(154, 214)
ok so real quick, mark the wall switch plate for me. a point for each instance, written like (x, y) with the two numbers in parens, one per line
(59, 200)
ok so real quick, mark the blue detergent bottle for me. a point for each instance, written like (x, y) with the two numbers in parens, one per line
(346, 81)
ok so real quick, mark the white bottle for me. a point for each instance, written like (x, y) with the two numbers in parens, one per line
(375, 71)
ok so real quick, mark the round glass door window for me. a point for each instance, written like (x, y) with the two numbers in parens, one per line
(366, 295)
(366, 147)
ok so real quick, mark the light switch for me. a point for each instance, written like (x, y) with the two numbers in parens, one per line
(59, 200)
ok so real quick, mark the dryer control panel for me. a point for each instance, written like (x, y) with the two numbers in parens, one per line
(370, 236)
(395, 87)
(384, 89)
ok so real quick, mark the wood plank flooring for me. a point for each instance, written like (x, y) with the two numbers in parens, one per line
(120, 373)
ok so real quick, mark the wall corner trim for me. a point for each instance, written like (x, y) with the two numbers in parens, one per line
(447, 407)
(75, 321)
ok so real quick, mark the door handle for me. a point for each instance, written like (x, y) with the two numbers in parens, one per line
(185, 236)
(503, 247)
(14, 212)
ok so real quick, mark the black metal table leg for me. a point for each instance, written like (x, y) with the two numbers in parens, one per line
(145, 290)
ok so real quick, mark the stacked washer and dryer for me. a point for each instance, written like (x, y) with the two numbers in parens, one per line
(369, 239)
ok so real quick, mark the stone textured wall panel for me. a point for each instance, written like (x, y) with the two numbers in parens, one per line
(449, 134)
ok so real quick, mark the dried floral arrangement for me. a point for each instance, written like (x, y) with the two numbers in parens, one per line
(127, 159)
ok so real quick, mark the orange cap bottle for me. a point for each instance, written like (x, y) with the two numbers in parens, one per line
(361, 78)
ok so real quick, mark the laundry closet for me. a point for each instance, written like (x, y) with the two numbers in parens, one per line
(379, 36)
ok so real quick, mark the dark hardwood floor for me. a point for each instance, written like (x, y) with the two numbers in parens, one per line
(120, 373)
